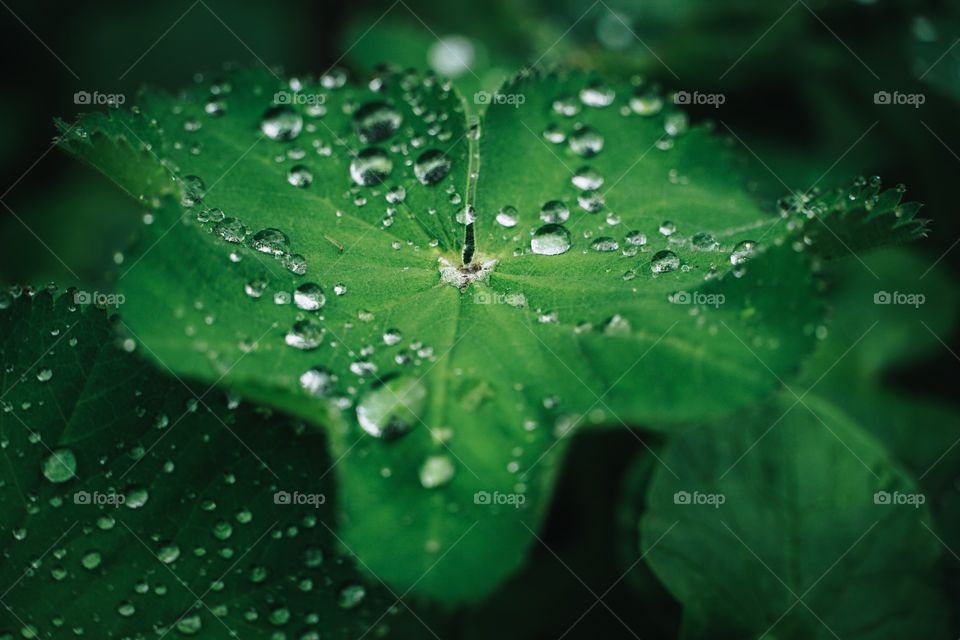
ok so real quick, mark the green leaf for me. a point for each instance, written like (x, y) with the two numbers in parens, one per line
(781, 503)
(133, 506)
(497, 356)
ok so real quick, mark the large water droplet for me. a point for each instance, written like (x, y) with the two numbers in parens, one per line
(60, 466)
(231, 230)
(309, 296)
(554, 211)
(393, 407)
(371, 166)
(436, 471)
(550, 240)
(586, 142)
(586, 179)
(432, 166)
(281, 123)
(272, 241)
(743, 252)
(305, 334)
(664, 262)
(376, 121)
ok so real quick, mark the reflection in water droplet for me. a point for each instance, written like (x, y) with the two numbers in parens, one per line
(318, 381)
(299, 176)
(376, 121)
(60, 466)
(370, 167)
(550, 240)
(432, 166)
(508, 216)
(743, 252)
(704, 241)
(272, 241)
(604, 244)
(305, 334)
(554, 211)
(664, 262)
(391, 408)
(586, 142)
(586, 179)
(309, 296)
(436, 471)
(231, 230)
(281, 123)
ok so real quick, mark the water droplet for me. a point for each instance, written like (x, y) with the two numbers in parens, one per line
(231, 230)
(309, 296)
(370, 167)
(743, 252)
(566, 106)
(704, 241)
(605, 244)
(193, 191)
(350, 596)
(305, 334)
(376, 121)
(255, 288)
(318, 381)
(294, 263)
(60, 466)
(616, 325)
(591, 201)
(553, 133)
(676, 123)
(436, 471)
(597, 94)
(550, 240)
(299, 176)
(432, 166)
(396, 195)
(135, 497)
(646, 104)
(586, 179)
(91, 560)
(554, 211)
(667, 228)
(508, 216)
(391, 408)
(272, 241)
(44, 375)
(168, 553)
(636, 238)
(586, 142)
(281, 123)
(392, 337)
(664, 262)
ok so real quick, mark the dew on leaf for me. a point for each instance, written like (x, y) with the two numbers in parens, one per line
(309, 296)
(604, 244)
(597, 94)
(391, 408)
(586, 179)
(586, 142)
(299, 176)
(305, 334)
(554, 211)
(743, 252)
(350, 596)
(272, 241)
(436, 471)
(432, 166)
(508, 216)
(664, 262)
(231, 230)
(370, 167)
(60, 466)
(704, 241)
(281, 123)
(646, 104)
(376, 121)
(318, 381)
(550, 240)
